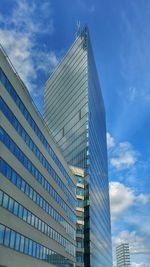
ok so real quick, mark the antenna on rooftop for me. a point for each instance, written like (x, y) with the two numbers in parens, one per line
(78, 28)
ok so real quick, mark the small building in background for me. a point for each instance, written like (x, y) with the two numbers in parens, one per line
(123, 255)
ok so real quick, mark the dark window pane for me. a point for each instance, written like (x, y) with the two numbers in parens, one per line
(41, 202)
(41, 252)
(18, 182)
(34, 250)
(32, 220)
(5, 201)
(12, 239)
(26, 246)
(11, 205)
(9, 172)
(23, 186)
(22, 243)
(36, 222)
(20, 211)
(27, 189)
(31, 193)
(30, 247)
(1, 197)
(25, 214)
(13, 178)
(17, 244)
(16, 207)
(29, 217)
(40, 224)
(7, 237)
(2, 228)
(46, 229)
(34, 196)
(37, 250)
(38, 199)
(44, 253)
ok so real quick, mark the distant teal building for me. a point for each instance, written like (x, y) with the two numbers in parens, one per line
(75, 114)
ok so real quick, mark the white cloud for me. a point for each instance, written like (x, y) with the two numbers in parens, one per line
(44, 64)
(137, 218)
(135, 94)
(134, 264)
(123, 156)
(110, 141)
(123, 197)
(19, 48)
(18, 37)
(143, 198)
(26, 17)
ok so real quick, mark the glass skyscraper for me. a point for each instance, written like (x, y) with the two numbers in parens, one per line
(74, 111)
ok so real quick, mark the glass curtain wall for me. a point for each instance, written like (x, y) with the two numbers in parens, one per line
(98, 228)
(75, 113)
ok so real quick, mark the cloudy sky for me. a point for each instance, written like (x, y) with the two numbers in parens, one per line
(36, 34)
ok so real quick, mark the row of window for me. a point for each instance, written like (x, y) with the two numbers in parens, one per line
(10, 144)
(34, 126)
(17, 209)
(21, 131)
(23, 244)
(18, 181)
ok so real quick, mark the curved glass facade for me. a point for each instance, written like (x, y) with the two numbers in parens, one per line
(74, 111)
(37, 188)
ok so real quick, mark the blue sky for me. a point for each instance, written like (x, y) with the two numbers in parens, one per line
(36, 34)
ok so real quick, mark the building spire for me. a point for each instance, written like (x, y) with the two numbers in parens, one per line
(78, 28)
